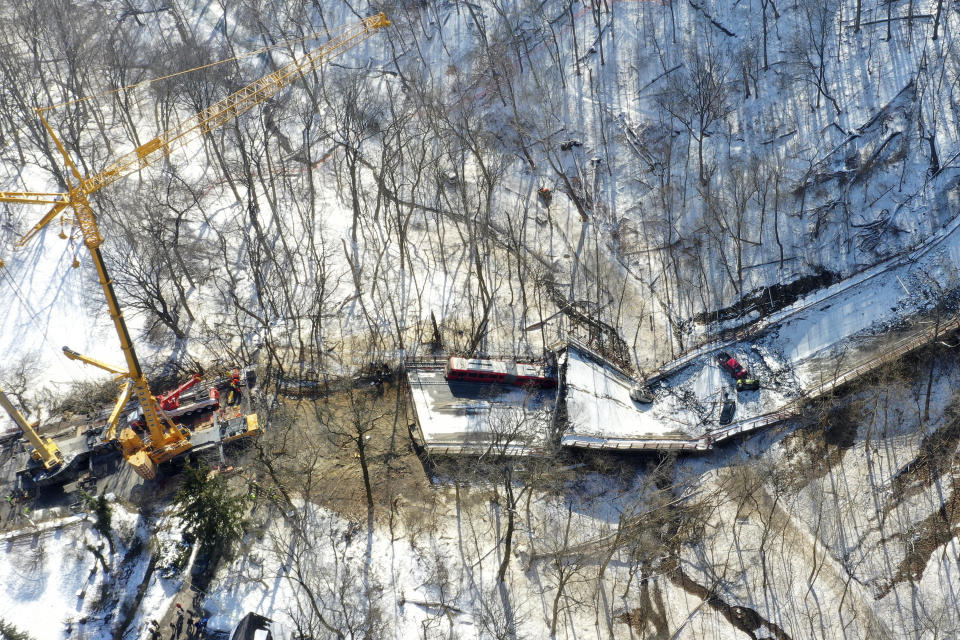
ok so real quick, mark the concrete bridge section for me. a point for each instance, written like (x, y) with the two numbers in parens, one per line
(827, 340)
(803, 351)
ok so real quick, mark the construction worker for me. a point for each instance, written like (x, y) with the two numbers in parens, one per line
(234, 395)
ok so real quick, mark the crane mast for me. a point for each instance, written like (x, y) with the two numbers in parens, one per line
(166, 440)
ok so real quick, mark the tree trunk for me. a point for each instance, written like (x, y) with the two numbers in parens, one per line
(936, 19)
(362, 453)
(926, 404)
(508, 538)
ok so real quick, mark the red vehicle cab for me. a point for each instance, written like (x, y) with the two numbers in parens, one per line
(730, 365)
(498, 372)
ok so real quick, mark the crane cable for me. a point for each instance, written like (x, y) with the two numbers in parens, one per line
(136, 85)
(19, 294)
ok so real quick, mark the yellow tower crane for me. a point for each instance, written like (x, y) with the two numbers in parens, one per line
(166, 440)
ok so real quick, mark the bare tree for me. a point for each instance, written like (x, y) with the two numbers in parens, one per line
(330, 598)
(811, 46)
(353, 428)
(699, 97)
(18, 378)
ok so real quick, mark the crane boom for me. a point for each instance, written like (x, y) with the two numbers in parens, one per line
(73, 355)
(48, 453)
(30, 197)
(111, 433)
(171, 399)
(166, 439)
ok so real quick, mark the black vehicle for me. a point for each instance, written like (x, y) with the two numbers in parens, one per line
(727, 410)
(748, 384)
(641, 393)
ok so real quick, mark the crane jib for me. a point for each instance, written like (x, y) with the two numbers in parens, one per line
(231, 107)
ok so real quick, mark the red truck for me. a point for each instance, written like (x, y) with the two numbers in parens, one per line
(729, 364)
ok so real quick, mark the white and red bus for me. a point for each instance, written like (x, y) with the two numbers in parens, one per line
(498, 372)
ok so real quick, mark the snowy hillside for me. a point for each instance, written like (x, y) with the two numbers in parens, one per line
(492, 177)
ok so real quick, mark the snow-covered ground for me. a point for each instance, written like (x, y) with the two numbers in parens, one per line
(173, 560)
(439, 581)
(779, 527)
(55, 582)
(809, 539)
(606, 125)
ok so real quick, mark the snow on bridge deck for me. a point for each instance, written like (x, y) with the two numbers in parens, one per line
(599, 404)
(683, 416)
(803, 351)
(457, 418)
(684, 413)
(467, 417)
